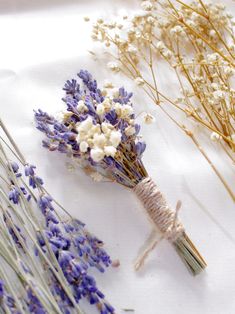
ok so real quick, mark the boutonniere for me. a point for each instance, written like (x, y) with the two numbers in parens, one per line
(100, 132)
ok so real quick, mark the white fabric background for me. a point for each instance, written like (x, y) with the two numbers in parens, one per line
(43, 43)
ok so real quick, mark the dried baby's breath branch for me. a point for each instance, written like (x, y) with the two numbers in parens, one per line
(196, 42)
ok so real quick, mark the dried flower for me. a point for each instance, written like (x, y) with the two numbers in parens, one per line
(195, 40)
(115, 151)
(148, 118)
(62, 249)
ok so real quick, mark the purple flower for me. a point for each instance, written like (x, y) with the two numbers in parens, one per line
(29, 170)
(140, 148)
(71, 87)
(15, 167)
(124, 97)
(34, 305)
(45, 202)
(1, 289)
(14, 195)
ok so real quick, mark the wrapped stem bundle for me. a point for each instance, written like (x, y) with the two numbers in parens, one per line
(46, 255)
(99, 131)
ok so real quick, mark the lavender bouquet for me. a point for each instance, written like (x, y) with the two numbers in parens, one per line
(46, 255)
(100, 132)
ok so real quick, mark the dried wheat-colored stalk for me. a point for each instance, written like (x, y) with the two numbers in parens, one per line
(196, 42)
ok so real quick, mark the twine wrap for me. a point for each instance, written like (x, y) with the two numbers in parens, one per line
(163, 217)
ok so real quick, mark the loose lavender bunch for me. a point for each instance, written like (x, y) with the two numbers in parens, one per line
(100, 132)
(35, 239)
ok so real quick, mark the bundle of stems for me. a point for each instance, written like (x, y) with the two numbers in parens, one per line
(45, 253)
(99, 132)
(195, 42)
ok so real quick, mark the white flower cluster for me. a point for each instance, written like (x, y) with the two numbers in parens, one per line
(102, 138)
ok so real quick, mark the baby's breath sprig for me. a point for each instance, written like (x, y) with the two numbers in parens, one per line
(46, 252)
(99, 131)
(196, 42)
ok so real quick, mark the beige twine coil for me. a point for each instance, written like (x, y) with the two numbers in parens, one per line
(163, 217)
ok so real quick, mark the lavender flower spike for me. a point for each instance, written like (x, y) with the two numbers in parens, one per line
(51, 257)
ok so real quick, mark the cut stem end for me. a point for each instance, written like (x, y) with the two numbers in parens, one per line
(189, 254)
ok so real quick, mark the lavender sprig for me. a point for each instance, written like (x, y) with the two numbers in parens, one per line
(36, 240)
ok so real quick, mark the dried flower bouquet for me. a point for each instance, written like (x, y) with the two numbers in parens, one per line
(100, 132)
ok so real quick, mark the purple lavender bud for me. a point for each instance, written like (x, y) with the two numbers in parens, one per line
(50, 217)
(35, 181)
(44, 117)
(29, 170)
(1, 289)
(45, 202)
(34, 305)
(140, 148)
(124, 97)
(64, 258)
(15, 167)
(111, 116)
(14, 195)
(137, 128)
(71, 87)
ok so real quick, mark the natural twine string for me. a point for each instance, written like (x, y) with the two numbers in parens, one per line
(163, 217)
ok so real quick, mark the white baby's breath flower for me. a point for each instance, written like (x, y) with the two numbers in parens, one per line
(106, 127)
(100, 109)
(130, 130)
(147, 5)
(127, 110)
(110, 151)
(215, 136)
(213, 57)
(219, 94)
(148, 118)
(177, 30)
(108, 84)
(81, 106)
(118, 109)
(86, 18)
(212, 33)
(215, 86)
(99, 140)
(115, 138)
(113, 66)
(160, 46)
(228, 71)
(139, 81)
(115, 92)
(97, 154)
(107, 103)
(83, 146)
(85, 125)
(150, 20)
(132, 49)
(167, 54)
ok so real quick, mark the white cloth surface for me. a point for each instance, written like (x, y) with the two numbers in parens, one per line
(43, 43)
